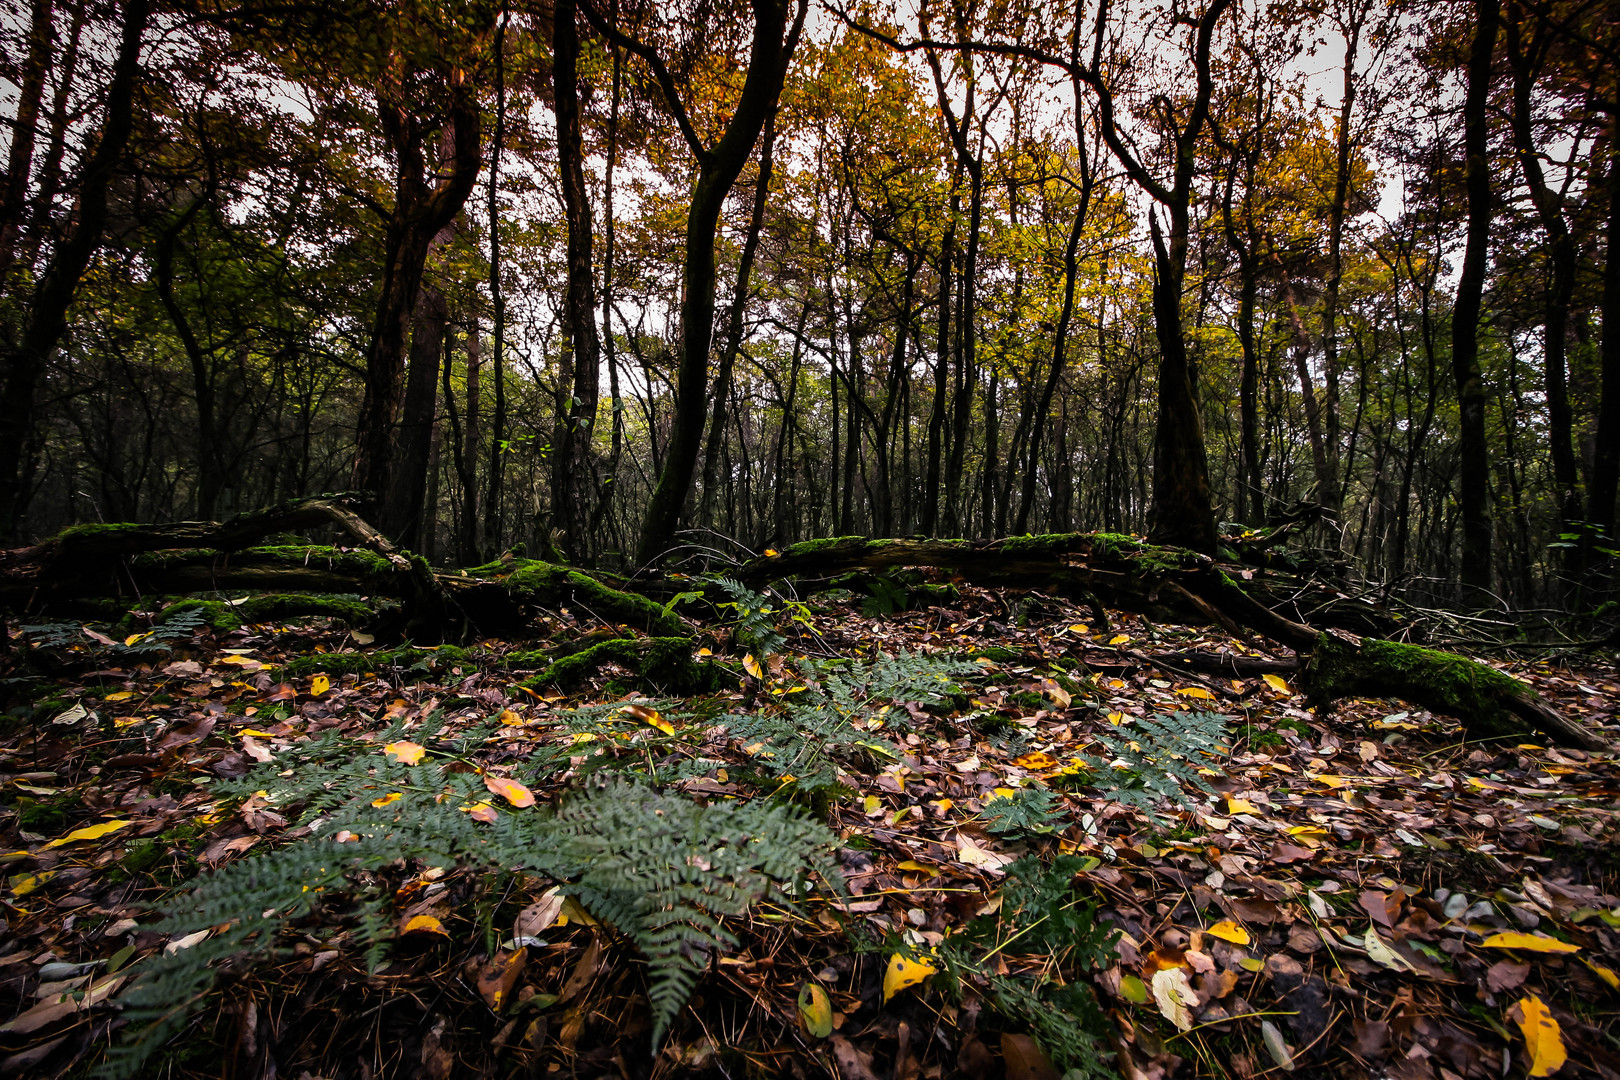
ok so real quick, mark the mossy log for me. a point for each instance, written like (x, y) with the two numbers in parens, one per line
(129, 562)
(1174, 584)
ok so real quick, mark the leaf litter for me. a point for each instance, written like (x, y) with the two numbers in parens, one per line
(1362, 894)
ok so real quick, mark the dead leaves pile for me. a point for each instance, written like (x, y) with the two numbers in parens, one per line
(1363, 895)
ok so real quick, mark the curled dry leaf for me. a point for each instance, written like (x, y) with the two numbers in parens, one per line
(1175, 997)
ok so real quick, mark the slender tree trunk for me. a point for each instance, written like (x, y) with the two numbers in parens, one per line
(24, 130)
(942, 362)
(493, 500)
(1330, 488)
(734, 321)
(1606, 459)
(24, 363)
(571, 486)
(468, 552)
(1474, 478)
(202, 374)
(717, 171)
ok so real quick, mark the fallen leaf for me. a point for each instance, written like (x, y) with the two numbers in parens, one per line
(1234, 807)
(1036, 761)
(384, 800)
(1542, 1039)
(1277, 683)
(319, 685)
(1512, 939)
(1024, 1059)
(90, 832)
(510, 790)
(425, 924)
(1196, 692)
(1380, 952)
(1227, 930)
(1175, 997)
(1272, 1036)
(815, 1009)
(508, 718)
(499, 974)
(538, 916)
(902, 973)
(405, 753)
(971, 854)
(752, 667)
(482, 811)
(1505, 975)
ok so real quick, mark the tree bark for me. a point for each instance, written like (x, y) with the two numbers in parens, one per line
(418, 215)
(24, 130)
(1473, 485)
(1606, 459)
(24, 363)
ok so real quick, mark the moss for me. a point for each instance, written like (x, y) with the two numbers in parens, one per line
(663, 663)
(810, 547)
(170, 557)
(552, 583)
(1441, 681)
(1038, 543)
(422, 662)
(292, 605)
(999, 654)
(222, 617)
(356, 561)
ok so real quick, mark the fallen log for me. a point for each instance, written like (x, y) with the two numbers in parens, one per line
(132, 562)
(1177, 585)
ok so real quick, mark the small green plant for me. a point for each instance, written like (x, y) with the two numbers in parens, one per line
(757, 616)
(1025, 812)
(1157, 759)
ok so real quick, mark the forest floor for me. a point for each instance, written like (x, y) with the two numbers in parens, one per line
(1362, 894)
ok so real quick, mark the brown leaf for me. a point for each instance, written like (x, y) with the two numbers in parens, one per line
(1255, 911)
(1376, 905)
(584, 971)
(1282, 854)
(1024, 1059)
(853, 1064)
(1504, 975)
(499, 975)
(1371, 1042)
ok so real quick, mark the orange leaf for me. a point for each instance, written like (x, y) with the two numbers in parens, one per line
(405, 753)
(510, 790)
(425, 924)
(482, 811)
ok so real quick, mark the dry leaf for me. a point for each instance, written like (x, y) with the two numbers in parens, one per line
(384, 800)
(89, 832)
(1512, 939)
(1380, 952)
(425, 924)
(482, 811)
(815, 1009)
(499, 975)
(405, 753)
(1542, 1039)
(319, 685)
(1277, 683)
(510, 790)
(1227, 930)
(903, 973)
(971, 854)
(752, 667)
(1234, 807)
(1175, 997)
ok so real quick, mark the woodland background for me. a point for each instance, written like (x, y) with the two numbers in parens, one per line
(251, 253)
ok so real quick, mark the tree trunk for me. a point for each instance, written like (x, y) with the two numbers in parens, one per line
(494, 502)
(1473, 486)
(406, 503)
(1606, 459)
(717, 171)
(24, 364)
(418, 215)
(24, 130)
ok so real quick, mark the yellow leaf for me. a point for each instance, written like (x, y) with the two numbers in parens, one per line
(815, 1007)
(256, 733)
(90, 832)
(510, 790)
(1308, 833)
(752, 667)
(914, 865)
(771, 553)
(1512, 939)
(1119, 639)
(1235, 807)
(1330, 781)
(319, 685)
(405, 753)
(122, 695)
(1542, 1039)
(1037, 759)
(1116, 718)
(903, 973)
(384, 800)
(1195, 692)
(1606, 974)
(871, 805)
(425, 924)
(1381, 953)
(1277, 683)
(650, 717)
(481, 811)
(1079, 628)
(510, 718)
(240, 661)
(133, 638)
(1060, 697)
(23, 884)
(1227, 930)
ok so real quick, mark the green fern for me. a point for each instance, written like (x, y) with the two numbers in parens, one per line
(1156, 759)
(662, 870)
(1028, 811)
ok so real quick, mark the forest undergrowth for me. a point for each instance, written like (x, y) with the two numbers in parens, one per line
(986, 837)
